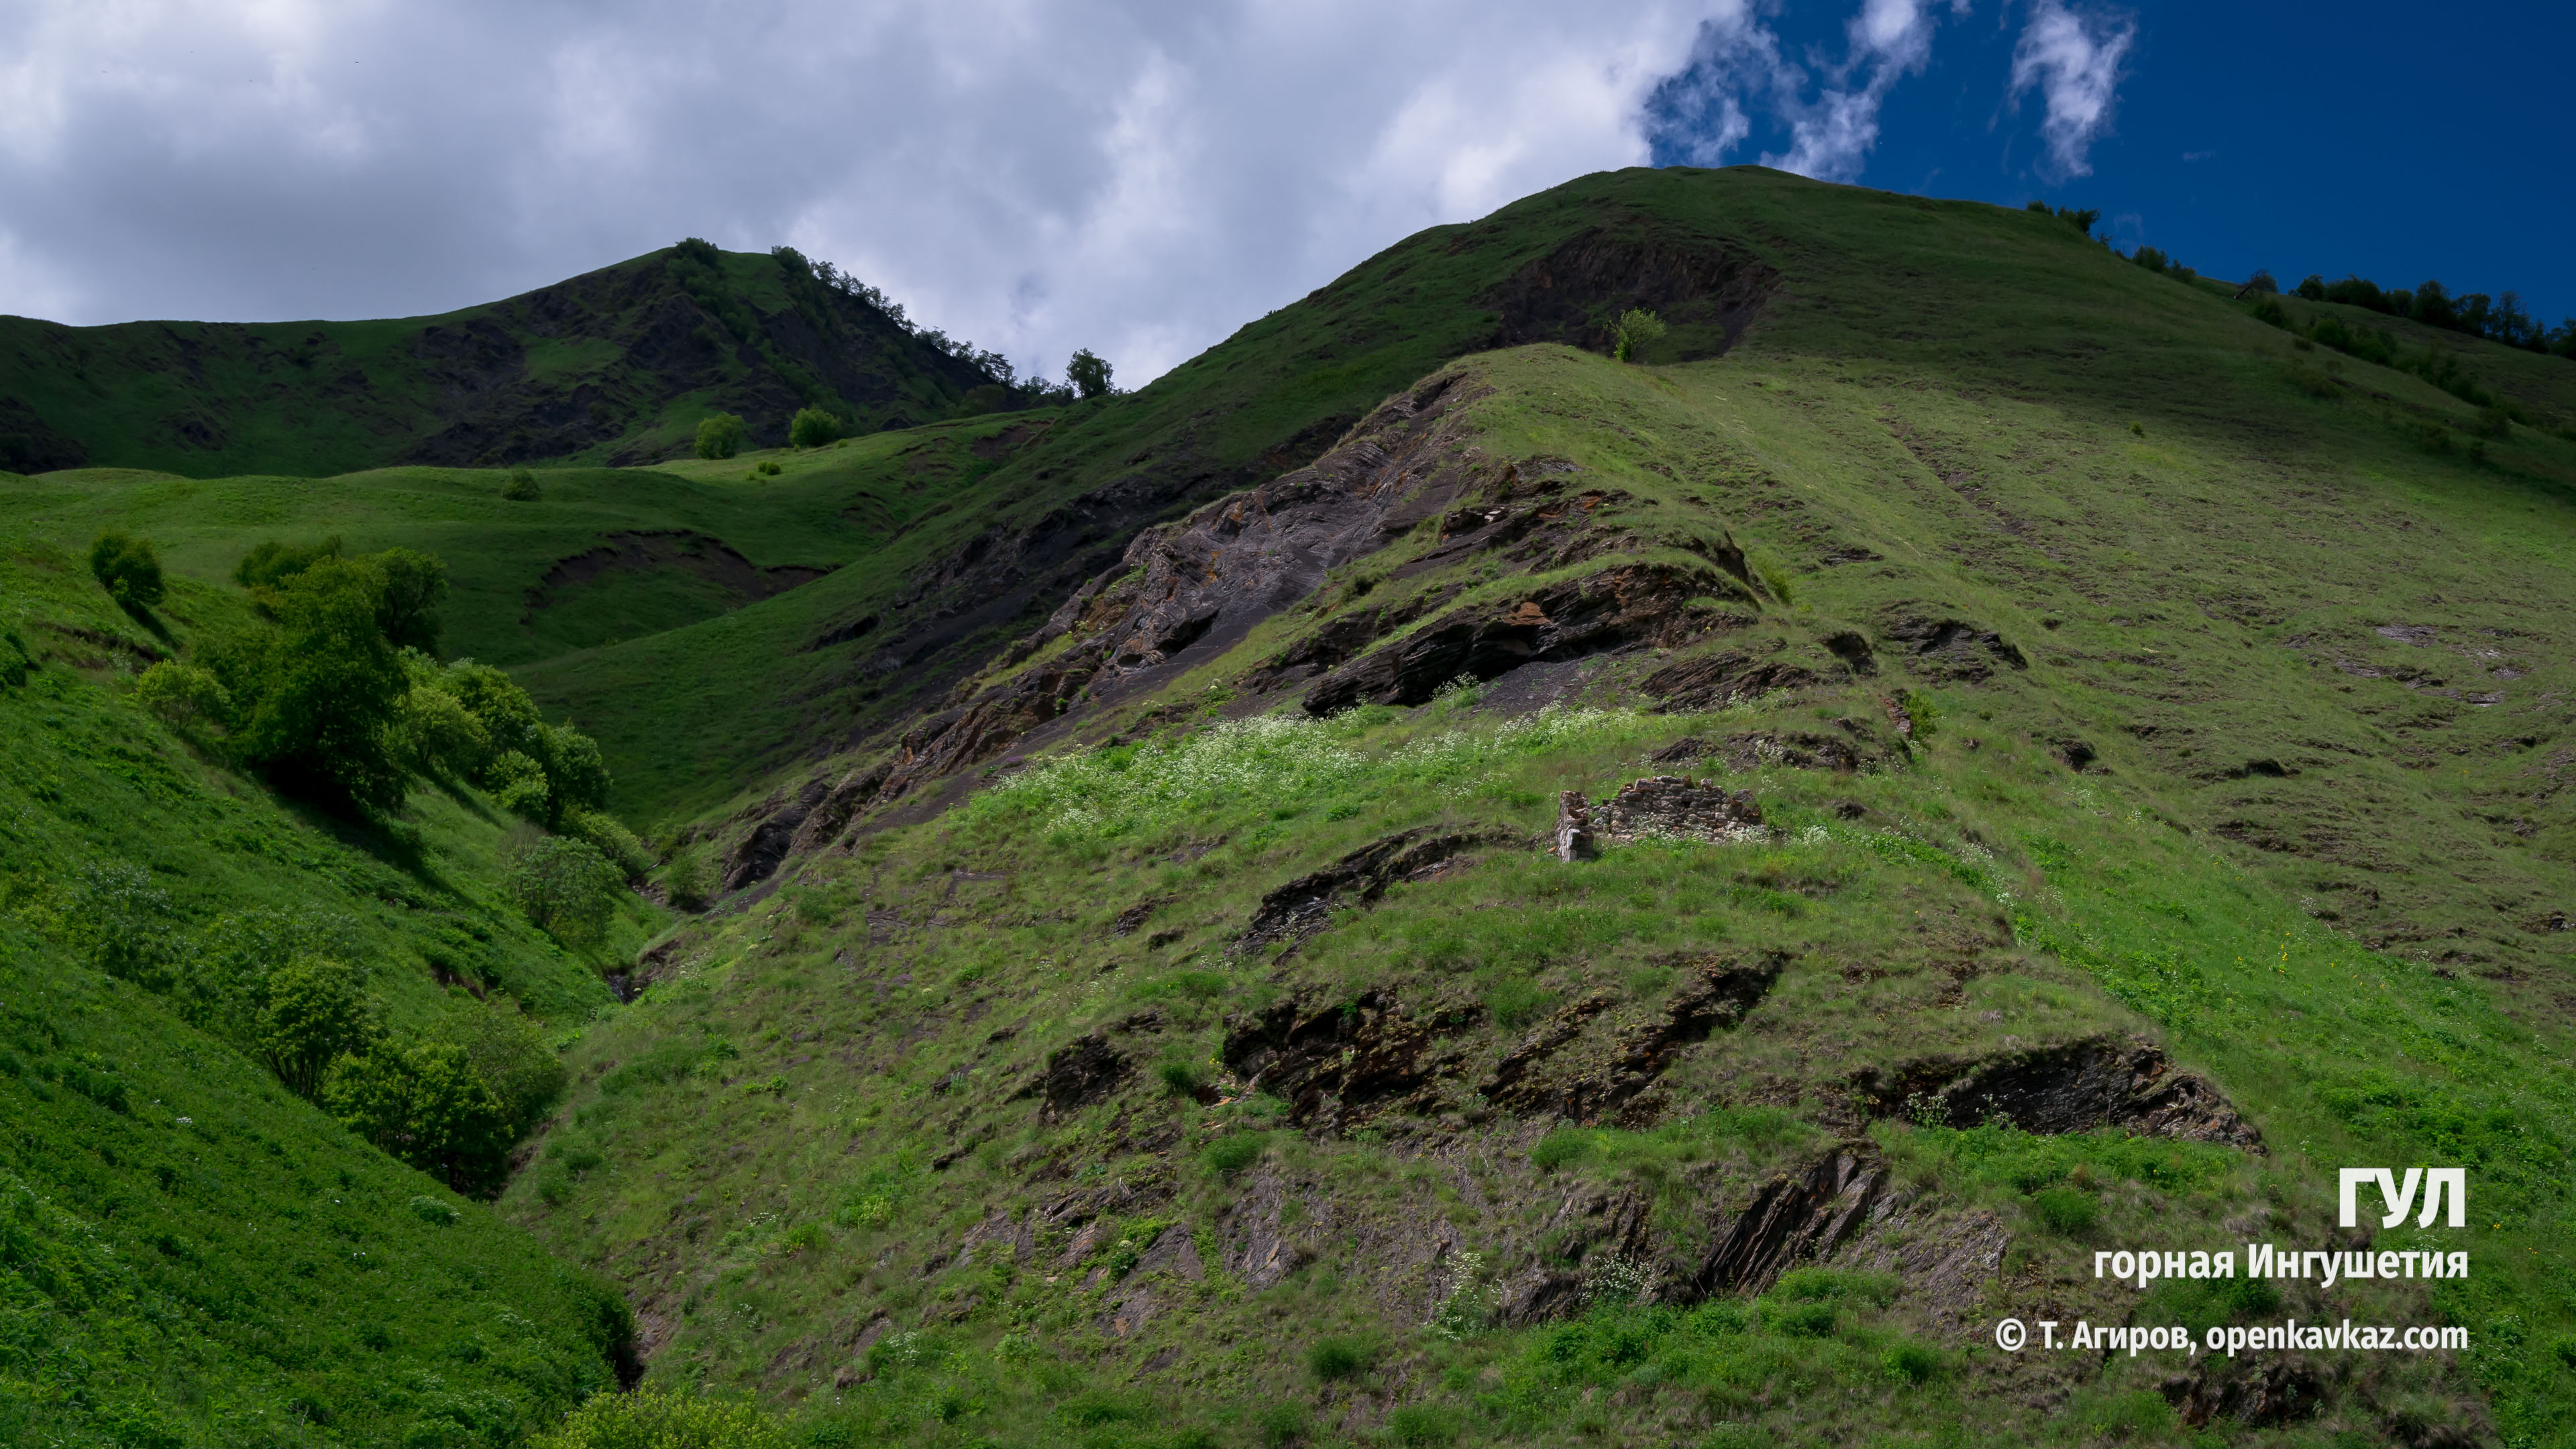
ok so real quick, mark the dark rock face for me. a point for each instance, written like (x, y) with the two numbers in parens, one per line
(1305, 905)
(1081, 1072)
(1338, 1064)
(1951, 649)
(1714, 681)
(2070, 1086)
(1705, 292)
(1618, 1084)
(758, 856)
(1614, 609)
(1805, 1215)
(2274, 1393)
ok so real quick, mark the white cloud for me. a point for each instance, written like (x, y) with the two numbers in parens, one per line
(2074, 61)
(1702, 115)
(1135, 176)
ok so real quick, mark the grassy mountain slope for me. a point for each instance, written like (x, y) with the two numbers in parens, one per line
(602, 555)
(191, 1254)
(617, 365)
(1953, 288)
(2121, 706)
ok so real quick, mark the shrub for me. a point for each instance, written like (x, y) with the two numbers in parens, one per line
(720, 436)
(434, 1212)
(1421, 1424)
(2149, 257)
(766, 468)
(2066, 1211)
(272, 563)
(415, 584)
(567, 888)
(1635, 328)
(1564, 1145)
(186, 698)
(510, 1054)
(2267, 310)
(128, 569)
(440, 736)
(812, 428)
(1232, 1154)
(125, 924)
(609, 836)
(1912, 1362)
(688, 881)
(1334, 1359)
(426, 1106)
(518, 783)
(1281, 1425)
(521, 487)
(650, 1418)
(1180, 1079)
(314, 1014)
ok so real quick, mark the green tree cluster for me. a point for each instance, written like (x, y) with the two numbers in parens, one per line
(128, 569)
(1635, 328)
(1089, 373)
(2501, 318)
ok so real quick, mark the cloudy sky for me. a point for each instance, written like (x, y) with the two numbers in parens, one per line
(1143, 176)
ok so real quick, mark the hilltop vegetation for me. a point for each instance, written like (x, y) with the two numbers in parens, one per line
(614, 367)
(1625, 826)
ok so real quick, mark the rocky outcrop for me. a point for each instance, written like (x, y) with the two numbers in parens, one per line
(2072, 1086)
(1305, 905)
(1715, 681)
(1617, 608)
(1794, 1216)
(1952, 650)
(1706, 292)
(1339, 1063)
(1661, 807)
(1616, 1079)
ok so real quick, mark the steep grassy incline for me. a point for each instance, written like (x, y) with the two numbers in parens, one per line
(616, 366)
(601, 555)
(189, 1254)
(1957, 293)
(2113, 783)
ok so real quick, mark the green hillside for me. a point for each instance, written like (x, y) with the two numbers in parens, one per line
(616, 366)
(1408, 883)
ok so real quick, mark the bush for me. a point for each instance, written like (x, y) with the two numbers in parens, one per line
(812, 428)
(2267, 310)
(314, 1015)
(1557, 1148)
(186, 698)
(688, 881)
(1232, 1154)
(510, 1054)
(426, 1106)
(1180, 1079)
(1333, 1359)
(2066, 1211)
(518, 783)
(128, 569)
(650, 1418)
(1422, 1424)
(273, 563)
(610, 837)
(720, 436)
(567, 888)
(415, 584)
(521, 487)
(1281, 1425)
(434, 1212)
(1914, 1363)
(440, 736)
(1636, 327)
(766, 468)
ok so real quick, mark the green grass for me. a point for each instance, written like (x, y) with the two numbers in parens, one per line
(2303, 655)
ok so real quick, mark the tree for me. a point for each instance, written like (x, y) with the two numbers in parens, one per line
(426, 1106)
(566, 886)
(415, 585)
(511, 1056)
(522, 487)
(1636, 327)
(812, 428)
(720, 436)
(127, 568)
(1088, 372)
(326, 687)
(315, 1014)
(270, 565)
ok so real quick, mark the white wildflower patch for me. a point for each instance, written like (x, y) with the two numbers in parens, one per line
(1276, 759)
